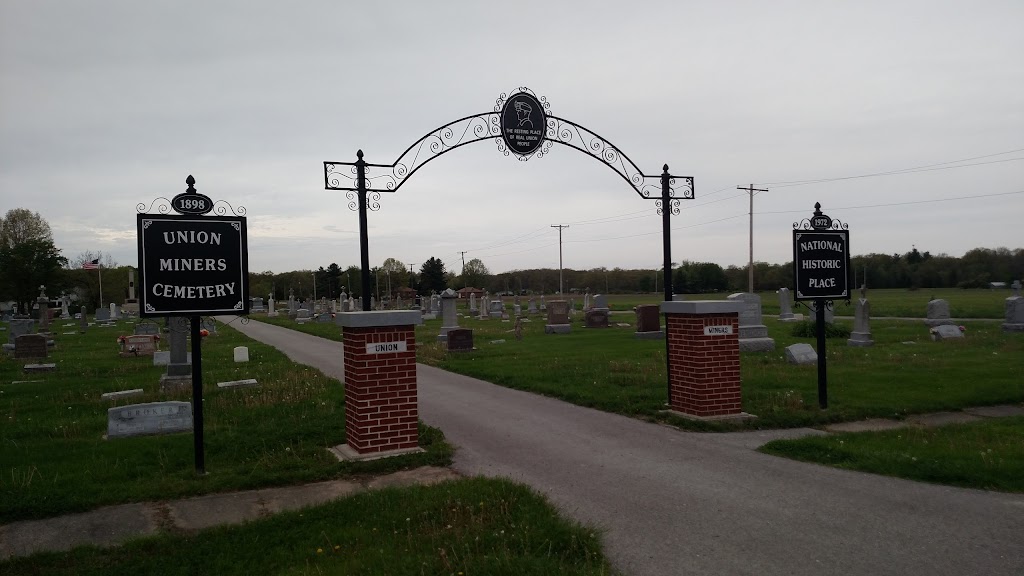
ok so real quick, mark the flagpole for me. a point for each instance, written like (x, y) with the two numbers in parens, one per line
(100, 270)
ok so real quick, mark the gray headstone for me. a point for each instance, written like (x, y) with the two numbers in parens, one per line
(121, 394)
(801, 353)
(861, 335)
(830, 313)
(147, 328)
(496, 308)
(30, 346)
(601, 301)
(18, 327)
(785, 305)
(946, 332)
(83, 321)
(938, 313)
(102, 314)
(1014, 314)
(449, 319)
(558, 318)
(179, 364)
(150, 418)
(247, 383)
(753, 333)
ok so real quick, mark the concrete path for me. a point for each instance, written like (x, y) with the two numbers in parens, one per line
(672, 502)
(113, 525)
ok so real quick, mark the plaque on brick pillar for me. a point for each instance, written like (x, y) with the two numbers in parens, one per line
(381, 403)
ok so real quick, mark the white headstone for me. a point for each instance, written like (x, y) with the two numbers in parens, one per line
(241, 354)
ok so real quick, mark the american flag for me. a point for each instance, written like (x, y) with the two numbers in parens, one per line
(91, 265)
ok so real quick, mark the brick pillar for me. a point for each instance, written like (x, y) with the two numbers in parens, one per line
(704, 358)
(381, 414)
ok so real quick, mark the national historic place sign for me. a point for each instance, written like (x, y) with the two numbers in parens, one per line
(821, 260)
(523, 123)
(193, 265)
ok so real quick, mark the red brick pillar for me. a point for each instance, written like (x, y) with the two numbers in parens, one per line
(704, 358)
(381, 414)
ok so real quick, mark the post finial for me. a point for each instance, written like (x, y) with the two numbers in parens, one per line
(191, 183)
(817, 208)
(359, 154)
(665, 168)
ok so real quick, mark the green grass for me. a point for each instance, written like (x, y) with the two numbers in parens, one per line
(988, 454)
(474, 526)
(54, 460)
(611, 370)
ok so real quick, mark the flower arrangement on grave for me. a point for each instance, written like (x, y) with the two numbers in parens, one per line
(962, 328)
(121, 341)
(204, 332)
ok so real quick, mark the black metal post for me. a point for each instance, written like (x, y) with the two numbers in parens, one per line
(819, 310)
(666, 232)
(666, 235)
(197, 396)
(364, 249)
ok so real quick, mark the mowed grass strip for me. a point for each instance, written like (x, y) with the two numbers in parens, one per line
(54, 459)
(987, 454)
(470, 526)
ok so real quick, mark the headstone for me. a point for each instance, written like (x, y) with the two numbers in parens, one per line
(351, 304)
(801, 353)
(83, 321)
(861, 335)
(64, 314)
(44, 311)
(600, 301)
(115, 311)
(496, 309)
(147, 328)
(586, 301)
(449, 319)
(302, 315)
(938, 313)
(753, 333)
(20, 326)
(324, 318)
(543, 304)
(517, 310)
(121, 394)
(1016, 288)
(946, 332)
(1014, 319)
(151, 418)
(460, 340)
(531, 306)
(596, 318)
(40, 367)
(139, 345)
(30, 346)
(270, 309)
(131, 304)
(257, 304)
(648, 322)
(209, 324)
(179, 367)
(163, 358)
(472, 302)
(785, 305)
(558, 318)
(241, 354)
(246, 383)
(102, 315)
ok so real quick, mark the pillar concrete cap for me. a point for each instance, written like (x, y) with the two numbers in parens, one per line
(376, 318)
(702, 307)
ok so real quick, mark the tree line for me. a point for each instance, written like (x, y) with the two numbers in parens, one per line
(30, 259)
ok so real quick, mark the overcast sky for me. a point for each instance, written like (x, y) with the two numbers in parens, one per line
(104, 105)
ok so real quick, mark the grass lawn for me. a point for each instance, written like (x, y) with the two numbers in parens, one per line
(54, 460)
(904, 373)
(988, 454)
(472, 526)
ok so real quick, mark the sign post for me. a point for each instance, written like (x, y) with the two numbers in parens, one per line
(821, 273)
(193, 265)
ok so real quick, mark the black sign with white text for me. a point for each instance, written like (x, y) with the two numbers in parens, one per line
(821, 264)
(193, 265)
(523, 123)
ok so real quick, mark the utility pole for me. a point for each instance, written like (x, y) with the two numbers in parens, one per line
(463, 260)
(750, 266)
(559, 226)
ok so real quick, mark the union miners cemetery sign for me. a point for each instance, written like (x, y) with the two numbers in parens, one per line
(191, 264)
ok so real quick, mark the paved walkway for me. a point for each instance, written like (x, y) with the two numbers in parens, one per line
(113, 525)
(672, 502)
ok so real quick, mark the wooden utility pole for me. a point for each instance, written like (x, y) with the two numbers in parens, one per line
(560, 227)
(750, 265)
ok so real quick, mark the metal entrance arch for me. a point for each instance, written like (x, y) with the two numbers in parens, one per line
(508, 125)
